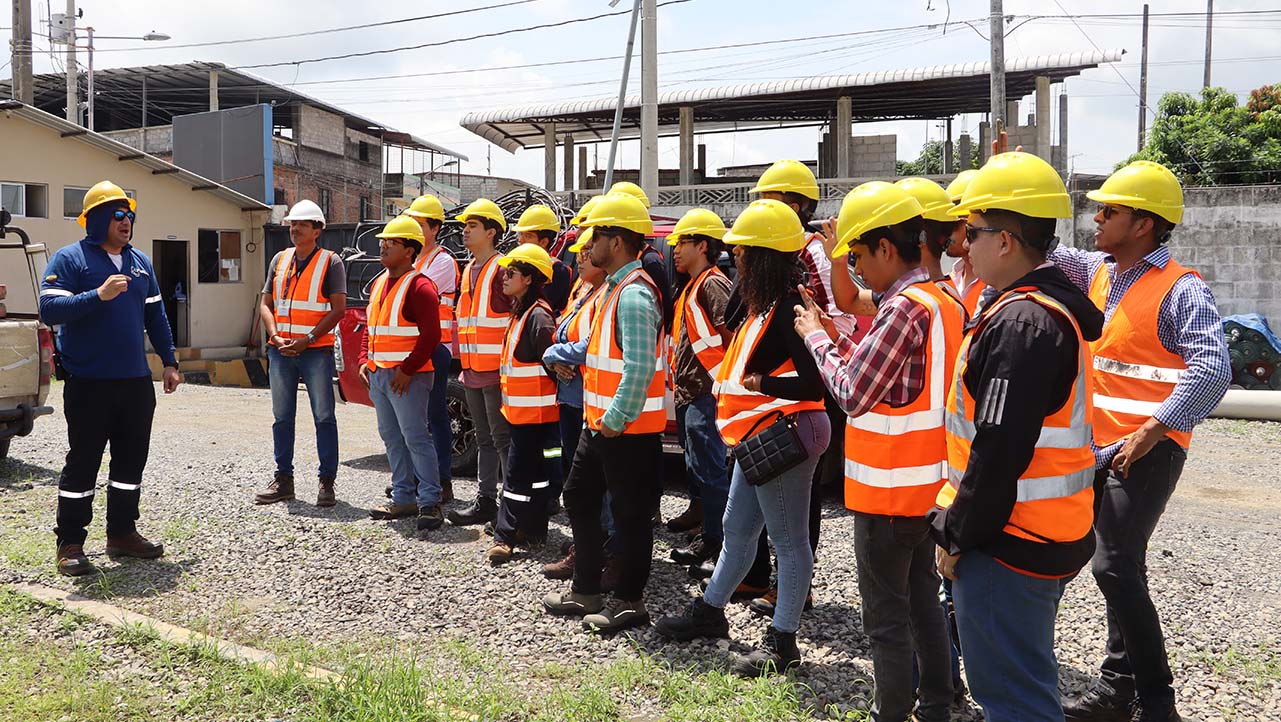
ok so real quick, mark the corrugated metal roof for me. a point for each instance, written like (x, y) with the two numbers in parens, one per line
(936, 91)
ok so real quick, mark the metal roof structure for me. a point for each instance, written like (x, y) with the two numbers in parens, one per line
(180, 89)
(125, 153)
(927, 93)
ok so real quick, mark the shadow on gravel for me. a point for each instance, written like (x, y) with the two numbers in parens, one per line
(1073, 681)
(131, 578)
(20, 476)
(446, 534)
(342, 511)
(373, 462)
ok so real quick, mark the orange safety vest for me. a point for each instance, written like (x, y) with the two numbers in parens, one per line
(392, 337)
(737, 409)
(583, 315)
(1055, 502)
(896, 456)
(971, 297)
(1133, 372)
(480, 329)
(299, 302)
(949, 287)
(703, 335)
(529, 394)
(447, 300)
(604, 368)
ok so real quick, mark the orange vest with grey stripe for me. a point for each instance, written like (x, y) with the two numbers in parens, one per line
(603, 371)
(392, 337)
(1133, 372)
(1055, 501)
(704, 338)
(896, 456)
(529, 394)
(447, 300)
(300, 303)
(740, 413)
(480, 328)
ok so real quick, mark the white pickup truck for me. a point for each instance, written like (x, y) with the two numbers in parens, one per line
(26, 344)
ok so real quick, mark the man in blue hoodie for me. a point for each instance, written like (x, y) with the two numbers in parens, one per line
(102, 293)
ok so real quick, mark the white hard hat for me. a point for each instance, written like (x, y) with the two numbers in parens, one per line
(305, 211)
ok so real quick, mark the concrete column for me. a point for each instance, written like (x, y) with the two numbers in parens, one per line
(843, 129)
(549, 156)
(1012, 113)
(213, 90)
(582, 168)
(1043, 117)
(687, 145)
(1065, 159)
(985, 141)
(702, 160)
(569, 163)
(947, 149)
(963, 150)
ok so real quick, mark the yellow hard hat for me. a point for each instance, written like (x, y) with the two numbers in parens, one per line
(483, 208)
(581, 242)
(1146, 186)
(103, 192)
(769, 224)
(788, 176)
(581, 216)
(697, 222)
(426, 206)
(533, 255)
(621, 210)
(403, 226)
(1018, 182)
(957, 187)
(934, 201)
(630, 189)
(537, 217)
(875, 204)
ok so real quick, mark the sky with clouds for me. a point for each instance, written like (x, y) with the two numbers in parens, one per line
(1102, 102)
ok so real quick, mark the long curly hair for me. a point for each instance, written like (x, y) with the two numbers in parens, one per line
(533, 294)
(768, 276)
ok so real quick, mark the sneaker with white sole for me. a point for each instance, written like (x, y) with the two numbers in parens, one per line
(618, 614)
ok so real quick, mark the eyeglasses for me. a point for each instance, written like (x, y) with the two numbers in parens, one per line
(511, 271)
(389, 242)
(1109, 211)
(120, 215)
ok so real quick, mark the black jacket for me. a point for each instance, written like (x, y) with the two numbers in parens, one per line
(1033, 352)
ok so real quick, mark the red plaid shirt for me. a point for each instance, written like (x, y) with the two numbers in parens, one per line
(889, 364)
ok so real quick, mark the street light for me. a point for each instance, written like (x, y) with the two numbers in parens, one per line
(151, 36)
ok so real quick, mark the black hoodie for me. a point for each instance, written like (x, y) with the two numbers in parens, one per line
(1034, 352)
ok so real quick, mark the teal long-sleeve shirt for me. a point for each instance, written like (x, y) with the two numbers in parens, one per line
(639, 323)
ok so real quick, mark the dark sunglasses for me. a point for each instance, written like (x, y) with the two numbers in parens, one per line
(972, 233)
(1109, 211)
(512, 271)
(120, 215)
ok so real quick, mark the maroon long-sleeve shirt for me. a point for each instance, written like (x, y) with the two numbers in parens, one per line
(422, 307)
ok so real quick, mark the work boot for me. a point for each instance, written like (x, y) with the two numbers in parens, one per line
(446, 491)
(563, 569)
(700, 619)
(1098, 704)
(572, 604)
(488, 529)
(618, 614)
(478, 512)
(697, 552)
(387, 491)
(611, 574)
(280, 489)
(743, 592)
(499, 553)
(704, 570)
(688, 519)
(390, 511)
(134, 545)
(430, 518)
(72, 561)
(325, 496)
(764, 605)
(777, 654)
(1149, 713)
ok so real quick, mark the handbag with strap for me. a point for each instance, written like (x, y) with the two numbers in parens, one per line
(775, 450)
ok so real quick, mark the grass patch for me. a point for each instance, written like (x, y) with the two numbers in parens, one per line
(1245, 428)
(1254, 668)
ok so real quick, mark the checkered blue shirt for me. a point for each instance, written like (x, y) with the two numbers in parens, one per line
(1188, 324)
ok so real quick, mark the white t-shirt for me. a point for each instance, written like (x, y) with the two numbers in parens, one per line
(117, 259)
(443, 271)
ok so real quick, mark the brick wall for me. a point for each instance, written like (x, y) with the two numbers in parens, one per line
(322, 130)
(874, 155)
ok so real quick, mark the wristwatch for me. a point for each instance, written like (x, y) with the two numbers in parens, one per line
(311, 338)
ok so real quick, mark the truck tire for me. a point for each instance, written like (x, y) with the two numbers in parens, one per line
(4, 448)
(465, 450)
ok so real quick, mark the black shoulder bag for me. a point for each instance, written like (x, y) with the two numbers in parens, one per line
(767, 455)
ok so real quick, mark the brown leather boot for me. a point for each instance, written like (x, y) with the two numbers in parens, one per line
(390, 510)
(72, 561)
(135, 545)
(446, 492)
(563, 569)
(280, 489)
(325, 497)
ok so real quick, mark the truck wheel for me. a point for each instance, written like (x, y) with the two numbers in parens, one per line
(465, 450)
(4, 448)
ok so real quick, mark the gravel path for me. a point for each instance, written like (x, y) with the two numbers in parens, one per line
(296, 571)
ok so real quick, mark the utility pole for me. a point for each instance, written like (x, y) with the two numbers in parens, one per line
(997, 29)
(649, 98)
(1143, 82)
(73, 74)
(21, 57)
(1209, 37)
(622, 97)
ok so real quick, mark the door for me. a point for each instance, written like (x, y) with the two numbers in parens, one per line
(172, 263)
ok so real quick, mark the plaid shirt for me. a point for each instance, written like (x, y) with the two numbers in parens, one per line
(889, 364)
(1188, 324)
(639, 324)
(819, 267)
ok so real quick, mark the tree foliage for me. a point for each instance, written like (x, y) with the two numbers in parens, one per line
(1213, 140)
(930, 162)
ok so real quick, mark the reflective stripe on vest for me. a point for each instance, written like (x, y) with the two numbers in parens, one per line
(704, 338)
(1055, 497)
(1133, 373)
(971, 297)
(480, 329)
(529, 394)
(392, 337)
(299, 303)
(739, 410)
(583, 314)
(604, 368)
(447, 300)
(949, 288)
(896, 457)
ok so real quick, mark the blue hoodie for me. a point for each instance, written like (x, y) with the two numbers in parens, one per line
(104, 339)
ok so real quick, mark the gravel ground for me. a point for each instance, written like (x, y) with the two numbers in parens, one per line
(296, 571)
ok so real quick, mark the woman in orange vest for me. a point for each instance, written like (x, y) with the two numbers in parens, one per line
(528, 404)
(767, 374)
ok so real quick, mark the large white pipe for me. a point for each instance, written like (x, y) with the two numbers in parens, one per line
(1247, 404)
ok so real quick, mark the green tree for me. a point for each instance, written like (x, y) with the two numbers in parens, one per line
(930, 162)
(1213, 140)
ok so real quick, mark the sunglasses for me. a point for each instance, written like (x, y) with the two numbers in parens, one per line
(511, 271)
(389, 242)
(1109, 211)
(972, 232)
(120, 215)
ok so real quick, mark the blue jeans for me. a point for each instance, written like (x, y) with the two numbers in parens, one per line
(442, 434)
(402, 424)
(705, 466)
(782, 507)
(1006, 622)
(315, 368)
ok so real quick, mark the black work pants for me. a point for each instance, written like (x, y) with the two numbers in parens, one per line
(101, 412)
(522, 506)
(1126, 513)
(627, 467)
